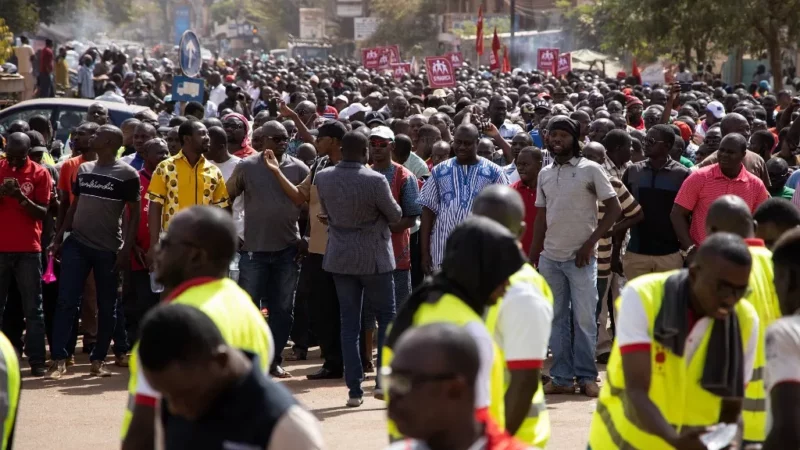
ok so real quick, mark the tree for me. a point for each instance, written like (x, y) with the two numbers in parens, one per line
(410, 24)
(20, 15)
(6, 42)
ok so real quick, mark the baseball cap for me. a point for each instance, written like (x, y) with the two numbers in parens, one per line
(333, 129)
(716, 109)
(541, 104)
(374, 117)
(382, 132)
(527, 108)
(343, 99)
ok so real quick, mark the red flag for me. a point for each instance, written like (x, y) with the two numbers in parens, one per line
(635, 72)
(479, 35)
(494, 61)
(506, 60)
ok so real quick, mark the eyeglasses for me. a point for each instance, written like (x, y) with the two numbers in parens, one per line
(403, 384)
(727, 290)
(278, 139)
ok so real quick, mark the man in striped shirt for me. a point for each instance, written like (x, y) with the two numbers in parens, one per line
(609, 247)
(705, 185)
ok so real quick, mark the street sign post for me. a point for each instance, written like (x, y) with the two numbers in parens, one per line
(190, 54)
(185, 89)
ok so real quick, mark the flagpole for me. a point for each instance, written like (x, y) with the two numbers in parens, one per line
(513, 20)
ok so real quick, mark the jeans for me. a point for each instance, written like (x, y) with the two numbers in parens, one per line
(378, 291)
(272, 276)
(26, 269)
(575, 302)
(77, 260)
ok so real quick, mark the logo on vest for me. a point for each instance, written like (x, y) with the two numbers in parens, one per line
(660, 358)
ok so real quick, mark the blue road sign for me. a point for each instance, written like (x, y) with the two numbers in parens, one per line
(190, 54)
(185, 89)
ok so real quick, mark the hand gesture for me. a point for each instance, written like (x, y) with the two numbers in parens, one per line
(490, 130)
(271, 161)
(11, 187)
(284, 110)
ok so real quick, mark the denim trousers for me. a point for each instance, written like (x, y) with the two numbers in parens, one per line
(575, 302)
(272, 276)
(26, 269)
(377, 291)
(77, 260)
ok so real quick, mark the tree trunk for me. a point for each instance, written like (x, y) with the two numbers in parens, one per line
(701, 54)
(774, 50)
(687, 52)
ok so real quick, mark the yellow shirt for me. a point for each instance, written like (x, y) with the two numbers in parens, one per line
(62, 73)
(177, 185)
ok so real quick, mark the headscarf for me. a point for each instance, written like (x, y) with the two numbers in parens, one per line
(246, 141)
(479, 256)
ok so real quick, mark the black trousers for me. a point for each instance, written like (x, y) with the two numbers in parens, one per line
(416, 261)
(317, 290)
(137, 300)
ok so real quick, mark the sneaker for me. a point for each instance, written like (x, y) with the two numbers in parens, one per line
(590, 389)
(99, 369)
(57, 369)
(121, 360)
(70, 360)
(378, 393)
(355, 402)
(552, 388)
(38, 370)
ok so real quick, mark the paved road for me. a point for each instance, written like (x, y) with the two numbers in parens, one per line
(80, 412)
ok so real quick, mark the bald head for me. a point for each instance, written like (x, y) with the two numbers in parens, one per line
(730, 214)
(503, 205)
(207, 228)
(735, 123)
(273, 128)
(437, 348)
(594, 151)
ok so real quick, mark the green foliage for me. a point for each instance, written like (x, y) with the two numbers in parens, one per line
(6, 42)
(20, 15)
(410, 24)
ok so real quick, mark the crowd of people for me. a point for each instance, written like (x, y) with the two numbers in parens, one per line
(465, 236)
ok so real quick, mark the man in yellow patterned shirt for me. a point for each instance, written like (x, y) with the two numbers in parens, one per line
(185, 180)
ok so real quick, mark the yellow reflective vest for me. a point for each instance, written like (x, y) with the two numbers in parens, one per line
(674, 383)
(239, 320)
(10, 383)
(764, 300)
(535, 429)
(450, 309)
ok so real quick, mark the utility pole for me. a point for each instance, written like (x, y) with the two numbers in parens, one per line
(511, 48)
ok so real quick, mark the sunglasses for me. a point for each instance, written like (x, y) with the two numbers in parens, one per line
(403, 384)
(232, 125)
(379, 143)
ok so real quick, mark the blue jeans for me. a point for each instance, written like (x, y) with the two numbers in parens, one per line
(26, 269)
(77, 260)
(272, 276)
(378, 290)
(575, 302)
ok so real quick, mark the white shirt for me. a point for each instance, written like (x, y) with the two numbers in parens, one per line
(633, 329)
(523, 326)
(508, 130)
(782, 344)
(684, 77)
(217, 95)
(24, 53)
(238, 204)
(485, 345)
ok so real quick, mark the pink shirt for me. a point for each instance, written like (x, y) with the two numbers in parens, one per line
(705, 185)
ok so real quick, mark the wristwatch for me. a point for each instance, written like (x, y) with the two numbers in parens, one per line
(685, 253)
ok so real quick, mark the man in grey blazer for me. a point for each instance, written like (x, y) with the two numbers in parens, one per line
(358, 206)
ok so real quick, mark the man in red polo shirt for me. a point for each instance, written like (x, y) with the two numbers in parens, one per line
(705, 185)
(529, 163)
(24, 197)
(141, 297)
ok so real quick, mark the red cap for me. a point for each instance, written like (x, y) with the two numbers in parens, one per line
(686, 132)
(230, 79)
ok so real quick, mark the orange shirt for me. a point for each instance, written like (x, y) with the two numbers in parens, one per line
(69, 173)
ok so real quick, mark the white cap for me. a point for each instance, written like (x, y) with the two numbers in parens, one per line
(353, 109)
(382, 132)
(343, 99)
(716, 109)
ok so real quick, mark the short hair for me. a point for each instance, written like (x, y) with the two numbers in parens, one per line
(728, 246)
(177, 121)
(666, 133)
(616, 138)
(216, 133)
(779, 211)
(428, 130)
(766, 137)
(186, 129)
(37, 140)
(39, 123)
(177, 333)
(354, 143)
(195, 107)
(402, 145)
(787, 249)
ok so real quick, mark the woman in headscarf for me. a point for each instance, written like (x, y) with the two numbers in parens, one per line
(480, 256)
